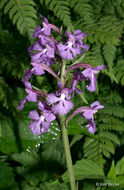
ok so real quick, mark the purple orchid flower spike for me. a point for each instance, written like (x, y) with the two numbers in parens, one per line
(90, 74)
(41, 124)
(31, 97)
(61, 100)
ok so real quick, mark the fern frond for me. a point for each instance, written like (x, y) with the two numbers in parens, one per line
(85, 9)
(94, 56)
(100, 30)
(109, 136)
(22, 13)
(104, 144)
(61, 10)
(119, 71)
(2, 82)
(109, 52)
(115, 110)
(110, 75)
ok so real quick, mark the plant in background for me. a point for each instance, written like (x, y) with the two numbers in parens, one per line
(46, 53)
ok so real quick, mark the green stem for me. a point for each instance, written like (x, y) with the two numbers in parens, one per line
(67, 154)
(65, 139)
(63, 72)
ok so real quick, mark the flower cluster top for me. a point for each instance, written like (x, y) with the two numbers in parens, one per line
(45, 52)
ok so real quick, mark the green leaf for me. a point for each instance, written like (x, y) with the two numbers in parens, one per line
(120, 167)
(16, 135)
(112, 173)
(83, 98)
(74, 126)
(58, 186)
(120, 181)
(85, 169)
(75, 139)
(26, 158)
(7, 180)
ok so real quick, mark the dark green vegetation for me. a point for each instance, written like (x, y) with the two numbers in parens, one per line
(28, 162)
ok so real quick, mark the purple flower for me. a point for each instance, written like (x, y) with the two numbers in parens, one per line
(78, 37)
(37, 31)
(39, 53)
(41, 31)
(31, 97)
(46, 27)
(90, 74)
(88, 114)
(27, 75)
(40, 124)
(77, 77)
(37, 68)
(91, 126)
(68, 51)
(62, 104)
(73, 46)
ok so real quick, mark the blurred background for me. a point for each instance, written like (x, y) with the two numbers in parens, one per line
(29, 162)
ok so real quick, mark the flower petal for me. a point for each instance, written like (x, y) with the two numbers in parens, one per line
(32, 96)
(38, 69)
(88, 114)
(91, 127)
(50, 117)
(96, 105)
(34, 115)
(87, 72)
(51, 98)
(21, 105)
(27, 85)
(45, 126)
(35, 127)
(63, 107)
(100, 67)
(40, 106)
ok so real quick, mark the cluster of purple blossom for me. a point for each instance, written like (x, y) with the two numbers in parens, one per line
(43, 54)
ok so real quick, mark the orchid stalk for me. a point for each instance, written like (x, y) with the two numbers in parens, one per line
(56, 105)
(65, 138)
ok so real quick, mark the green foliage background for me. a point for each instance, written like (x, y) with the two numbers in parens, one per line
(34, 163)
